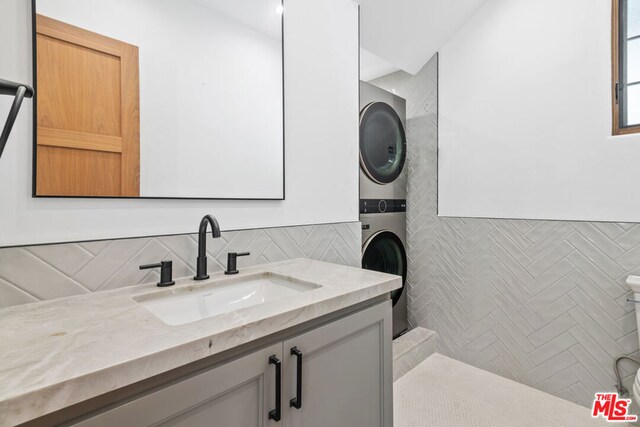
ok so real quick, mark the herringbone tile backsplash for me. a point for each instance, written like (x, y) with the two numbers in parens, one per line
(35, 273)
(540, 302)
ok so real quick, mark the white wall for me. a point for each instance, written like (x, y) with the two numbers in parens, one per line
(488, 286)
(525, 116)
(210, 95)
(321, 110)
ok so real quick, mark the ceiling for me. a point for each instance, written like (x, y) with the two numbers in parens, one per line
(261, 15)
(405, 34)
(372, 66)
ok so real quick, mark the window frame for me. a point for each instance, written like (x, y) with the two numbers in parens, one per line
(618, 49)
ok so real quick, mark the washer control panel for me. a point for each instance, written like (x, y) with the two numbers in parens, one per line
(382, 206)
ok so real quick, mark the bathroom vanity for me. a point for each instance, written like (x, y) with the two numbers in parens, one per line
(293, 343)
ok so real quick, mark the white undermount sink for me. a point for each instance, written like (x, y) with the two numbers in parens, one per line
(199, 301)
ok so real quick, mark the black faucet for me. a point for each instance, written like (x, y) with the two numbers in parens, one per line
(201, 265)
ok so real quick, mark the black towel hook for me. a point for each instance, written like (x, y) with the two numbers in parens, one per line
(19, 91)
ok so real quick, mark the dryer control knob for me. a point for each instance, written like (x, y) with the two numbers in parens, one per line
(382, 205)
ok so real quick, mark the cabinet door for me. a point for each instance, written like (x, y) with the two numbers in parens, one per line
(346, 372)
(239, 393)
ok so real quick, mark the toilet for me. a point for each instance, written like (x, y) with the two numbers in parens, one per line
(634, 284)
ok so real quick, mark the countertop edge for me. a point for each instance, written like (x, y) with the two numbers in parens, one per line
(20, 409)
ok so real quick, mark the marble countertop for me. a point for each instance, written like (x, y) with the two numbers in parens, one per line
(58, 353)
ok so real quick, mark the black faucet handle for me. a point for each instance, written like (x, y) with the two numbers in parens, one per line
(232, 261)
(166, 272)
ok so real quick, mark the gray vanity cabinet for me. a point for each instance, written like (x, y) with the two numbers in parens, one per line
(346, 372)
(234, 394)
(345, 378)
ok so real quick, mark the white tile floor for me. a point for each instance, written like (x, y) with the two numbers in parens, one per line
(442, 392)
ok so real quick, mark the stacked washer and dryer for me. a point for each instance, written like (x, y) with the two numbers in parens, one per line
(383, 190)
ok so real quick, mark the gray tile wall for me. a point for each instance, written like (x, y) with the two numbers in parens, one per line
(36, 273)
(540, 302)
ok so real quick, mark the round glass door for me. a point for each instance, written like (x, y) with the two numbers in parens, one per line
(384, 252)
(383, 145)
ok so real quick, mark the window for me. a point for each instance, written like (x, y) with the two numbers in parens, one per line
(626, 66)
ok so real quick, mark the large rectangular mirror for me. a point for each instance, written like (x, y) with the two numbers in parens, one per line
(159, 99)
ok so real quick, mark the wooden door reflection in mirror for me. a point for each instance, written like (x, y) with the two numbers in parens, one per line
(88, 113)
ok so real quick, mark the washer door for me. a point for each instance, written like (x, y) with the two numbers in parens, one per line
(383, 145)
(384, 252)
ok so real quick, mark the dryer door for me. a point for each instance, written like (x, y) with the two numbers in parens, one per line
(383, 144)
(384, 252)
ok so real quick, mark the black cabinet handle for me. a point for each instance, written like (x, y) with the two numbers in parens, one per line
(296, 402)
(276, 413)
